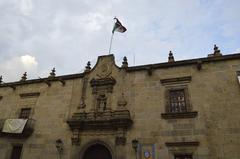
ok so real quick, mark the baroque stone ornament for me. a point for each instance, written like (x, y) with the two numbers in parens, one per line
(103, 84)
(88, 67)
(52, 73)
(1, 80)
(101, 103)
(75, 137)
(82, 104)
(122, 101)
(125, 62)
(170, 57)
(105, 71)
(216, 51)
(101, 88)
(113, 120)
(24, 77)
(120, 140)
(84, 89)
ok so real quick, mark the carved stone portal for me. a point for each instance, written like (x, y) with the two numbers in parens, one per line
(102, 117)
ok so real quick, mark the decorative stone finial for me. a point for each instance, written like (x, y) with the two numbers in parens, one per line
(52, 73)
(170, 57)
(1, 79)
(24, 77)
(125, 62)
(217, 52)
(88, 67)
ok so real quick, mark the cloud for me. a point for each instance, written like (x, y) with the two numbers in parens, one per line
(68, 34)
(237, 50)
(28, 61)
(92, 21)
(26, 7)
(14, 67)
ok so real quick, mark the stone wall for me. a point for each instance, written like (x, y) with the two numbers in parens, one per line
(213, 91)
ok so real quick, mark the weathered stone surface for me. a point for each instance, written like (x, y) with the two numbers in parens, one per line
(214, 93)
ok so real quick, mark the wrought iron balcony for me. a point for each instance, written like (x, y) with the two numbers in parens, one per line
(27, 130)
(108, 120)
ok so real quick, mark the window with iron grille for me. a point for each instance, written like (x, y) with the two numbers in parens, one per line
(25, 113)
(177, 101)
(183, 156)
(177, 98)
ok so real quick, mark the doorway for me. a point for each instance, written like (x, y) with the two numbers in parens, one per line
(97, 151)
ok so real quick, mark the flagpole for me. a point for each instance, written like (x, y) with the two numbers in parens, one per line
(111, 43)
(118, 27)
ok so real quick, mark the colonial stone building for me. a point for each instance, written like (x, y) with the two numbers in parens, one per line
(186, 109)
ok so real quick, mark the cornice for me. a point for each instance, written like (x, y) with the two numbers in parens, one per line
(184, 62)
(130, 69)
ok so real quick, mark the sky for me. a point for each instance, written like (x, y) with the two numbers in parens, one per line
(37, 35)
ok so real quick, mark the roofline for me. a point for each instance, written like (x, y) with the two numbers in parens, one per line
(131, 69)
(40, 80)
(184, 62)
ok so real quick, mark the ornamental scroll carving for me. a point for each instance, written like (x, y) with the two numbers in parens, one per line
(105, 70)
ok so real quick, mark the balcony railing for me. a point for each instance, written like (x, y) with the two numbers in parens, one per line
(101, 120)
(27, 131)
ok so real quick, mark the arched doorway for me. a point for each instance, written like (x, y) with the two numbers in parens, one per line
(97, 151)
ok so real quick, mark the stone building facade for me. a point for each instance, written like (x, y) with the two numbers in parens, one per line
(175, 110)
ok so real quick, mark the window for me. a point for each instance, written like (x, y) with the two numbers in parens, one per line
(183, 156)
(182, 150)
(177, 101)
(25, 113)
(16, 152)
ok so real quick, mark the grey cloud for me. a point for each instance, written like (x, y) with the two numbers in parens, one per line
(66, 34)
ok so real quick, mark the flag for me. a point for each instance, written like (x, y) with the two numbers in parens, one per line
(118, 27)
